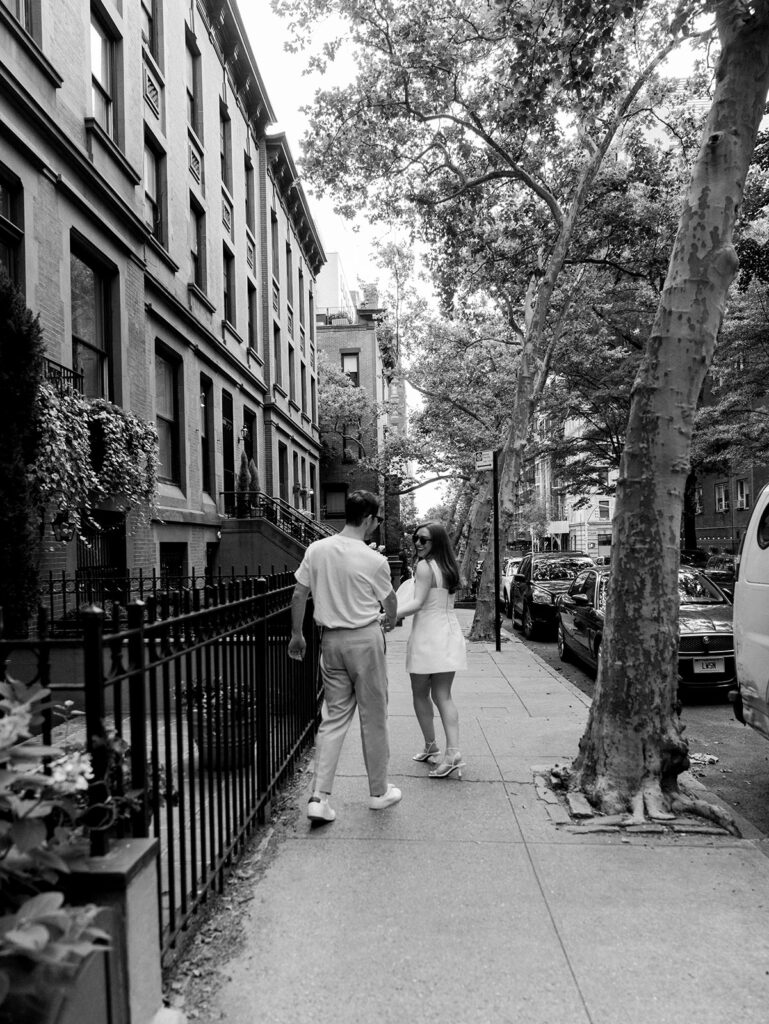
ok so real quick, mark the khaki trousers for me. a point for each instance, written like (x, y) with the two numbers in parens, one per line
(354, 674)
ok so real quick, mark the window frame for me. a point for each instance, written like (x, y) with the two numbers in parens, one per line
(12, 226)
(197, 233)
(353, 375)
(158, 228)
(228, 286)
(107, 91)
(162, 354)
(193, 87)
(103, 327)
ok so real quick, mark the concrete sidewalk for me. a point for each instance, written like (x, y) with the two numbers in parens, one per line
(468, 902)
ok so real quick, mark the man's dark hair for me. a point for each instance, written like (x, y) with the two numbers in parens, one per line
(360, 504)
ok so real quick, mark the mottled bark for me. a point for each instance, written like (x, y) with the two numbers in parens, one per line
(632, 751)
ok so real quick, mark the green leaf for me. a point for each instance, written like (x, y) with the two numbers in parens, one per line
(28, 834)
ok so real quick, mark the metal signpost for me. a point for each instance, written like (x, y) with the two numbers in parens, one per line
(485, 461)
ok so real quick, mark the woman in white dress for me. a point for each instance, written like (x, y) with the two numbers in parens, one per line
(436, 647)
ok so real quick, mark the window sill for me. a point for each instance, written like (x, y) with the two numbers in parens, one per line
(31, 48)
(200, 295)
(293, 405)
(228, 331)
(95, 131)
(160, 250)
(253, 354)
(277, 389)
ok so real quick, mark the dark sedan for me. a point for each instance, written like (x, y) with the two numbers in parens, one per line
(541, 577)
(720, 569)
(706, 638)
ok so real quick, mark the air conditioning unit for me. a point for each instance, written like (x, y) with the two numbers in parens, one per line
(743, 503)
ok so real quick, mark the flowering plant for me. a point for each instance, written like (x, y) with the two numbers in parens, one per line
(90, 451)
(42, 802)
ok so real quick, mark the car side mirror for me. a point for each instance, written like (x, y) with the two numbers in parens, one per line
(581, 599)
(519, 577)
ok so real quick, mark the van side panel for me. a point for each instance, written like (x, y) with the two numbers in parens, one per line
(751, 623)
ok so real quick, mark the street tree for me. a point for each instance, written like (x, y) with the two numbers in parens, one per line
(633, 751)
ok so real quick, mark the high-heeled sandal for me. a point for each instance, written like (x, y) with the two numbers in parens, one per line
(448, 765)
(428, 754)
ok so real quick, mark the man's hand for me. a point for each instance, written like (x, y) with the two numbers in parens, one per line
(297, 646)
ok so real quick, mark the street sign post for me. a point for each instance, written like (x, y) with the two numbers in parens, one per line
(484, 461)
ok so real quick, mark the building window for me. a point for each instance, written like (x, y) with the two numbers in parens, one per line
(22, 12)
(291, 373)
(197, 246)
(742, 494)
(313, 489)
(289, 275)
(249, 210)
(312, 316)
(90, 326)
(301, 298)
(249, 441)
(275, 247)
(698, 500)
(336, 498)
(303, 396)
(313, 401)
(603, 508)
(722, 497)
(206, 434)
(154, 191)
(228, 279)
(167, 417)
(296, 487)
(253, 340)
(103, 76)
(277, 357)
(149, 27)
(192, 82)
(350, 366)
(11, 226)
(225, 159)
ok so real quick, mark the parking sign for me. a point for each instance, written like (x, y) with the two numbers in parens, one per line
(484, 460)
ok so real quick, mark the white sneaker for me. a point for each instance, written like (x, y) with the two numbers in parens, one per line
(392, 796)
(318, 809)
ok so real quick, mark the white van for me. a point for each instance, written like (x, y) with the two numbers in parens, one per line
(751, 620)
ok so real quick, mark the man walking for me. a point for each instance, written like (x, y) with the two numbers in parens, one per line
(348, 582)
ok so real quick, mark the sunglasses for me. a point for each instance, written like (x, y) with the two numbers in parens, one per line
(422, 540)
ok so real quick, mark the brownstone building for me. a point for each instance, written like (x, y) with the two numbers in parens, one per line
(160, 233)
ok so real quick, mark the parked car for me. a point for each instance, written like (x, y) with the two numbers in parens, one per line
(720, 569)
(541, 577)
(705, 632)
(694, 556)
(509, 569)
(751, 620)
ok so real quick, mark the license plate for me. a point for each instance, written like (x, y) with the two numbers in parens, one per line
(708, 665)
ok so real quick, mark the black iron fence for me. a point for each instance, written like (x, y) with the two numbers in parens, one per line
(63, 596)
(208, 716)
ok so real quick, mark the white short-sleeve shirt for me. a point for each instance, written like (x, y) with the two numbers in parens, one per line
(348, 581)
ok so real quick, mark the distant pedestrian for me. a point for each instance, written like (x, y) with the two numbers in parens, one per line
(348, 581)
(436, 646)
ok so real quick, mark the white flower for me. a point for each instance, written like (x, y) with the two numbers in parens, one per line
(71, 773)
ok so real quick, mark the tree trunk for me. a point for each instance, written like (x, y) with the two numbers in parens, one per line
(632, 751)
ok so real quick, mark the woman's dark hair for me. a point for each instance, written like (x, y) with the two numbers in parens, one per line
(441, 551)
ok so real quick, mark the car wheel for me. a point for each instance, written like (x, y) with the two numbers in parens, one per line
(564, 652)
(529, 629)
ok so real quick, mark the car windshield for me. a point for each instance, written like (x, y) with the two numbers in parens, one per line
(694, 588)
(559, 568)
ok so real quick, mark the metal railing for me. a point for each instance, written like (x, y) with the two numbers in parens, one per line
(258, 505)
(63, 596)
(214, 715)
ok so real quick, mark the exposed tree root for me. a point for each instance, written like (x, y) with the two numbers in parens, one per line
(649, 804)
(683, 803)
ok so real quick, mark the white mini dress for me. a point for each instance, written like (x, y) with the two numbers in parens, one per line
(436, 643)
